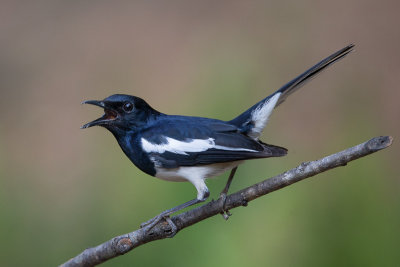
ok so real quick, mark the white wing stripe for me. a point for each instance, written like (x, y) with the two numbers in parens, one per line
(233, 148)
(182, 148)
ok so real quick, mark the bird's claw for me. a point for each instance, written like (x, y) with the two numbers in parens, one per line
(225, 213)
(149, 222)
(174, 229)
(152, 222)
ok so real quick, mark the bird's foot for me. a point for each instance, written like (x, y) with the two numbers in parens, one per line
(165, 215)
(148, 225)
(225, 213)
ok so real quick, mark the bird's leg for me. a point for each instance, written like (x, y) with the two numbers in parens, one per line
(165, 215)
(222, 195)
(202, 195)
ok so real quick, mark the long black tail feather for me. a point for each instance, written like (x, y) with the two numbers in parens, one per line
(244, 120)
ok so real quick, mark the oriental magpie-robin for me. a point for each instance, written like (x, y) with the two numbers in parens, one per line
(182, 148)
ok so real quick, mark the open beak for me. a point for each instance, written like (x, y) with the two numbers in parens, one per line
(109, 114)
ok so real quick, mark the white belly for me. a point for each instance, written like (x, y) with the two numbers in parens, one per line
(183, 174)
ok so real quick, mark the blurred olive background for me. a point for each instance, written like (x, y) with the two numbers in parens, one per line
(63, 189)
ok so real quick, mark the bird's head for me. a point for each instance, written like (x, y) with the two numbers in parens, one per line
(122, 113)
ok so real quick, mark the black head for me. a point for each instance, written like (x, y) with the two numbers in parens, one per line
(122, 113)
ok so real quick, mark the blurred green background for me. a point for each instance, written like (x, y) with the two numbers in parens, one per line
(63, 189)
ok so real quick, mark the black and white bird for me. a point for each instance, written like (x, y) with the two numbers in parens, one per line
(183, 148)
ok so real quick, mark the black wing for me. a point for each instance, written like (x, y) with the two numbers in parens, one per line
(189, 141)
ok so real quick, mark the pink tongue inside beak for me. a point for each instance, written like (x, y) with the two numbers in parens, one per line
(110, 114)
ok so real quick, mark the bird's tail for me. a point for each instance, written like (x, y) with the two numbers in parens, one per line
(253, 120)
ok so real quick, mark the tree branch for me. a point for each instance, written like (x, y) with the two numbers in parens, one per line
(122, 244)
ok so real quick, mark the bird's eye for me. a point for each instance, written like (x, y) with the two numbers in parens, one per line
(128, 107)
